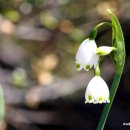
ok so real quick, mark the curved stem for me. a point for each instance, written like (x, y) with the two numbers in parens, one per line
(103, 23)
(107, 107)
(93, 34)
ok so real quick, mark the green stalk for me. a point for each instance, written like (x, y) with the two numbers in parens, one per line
(108, 106)
(93, 34)
(119, 59)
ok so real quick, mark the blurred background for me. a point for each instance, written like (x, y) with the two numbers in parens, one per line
(42, 88)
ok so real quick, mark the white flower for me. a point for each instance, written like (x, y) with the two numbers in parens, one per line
(86, 56)
(97, 91)
(105, 50)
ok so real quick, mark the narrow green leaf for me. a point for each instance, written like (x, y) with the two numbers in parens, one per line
(119, 57)
(2, 105)
(118, 42)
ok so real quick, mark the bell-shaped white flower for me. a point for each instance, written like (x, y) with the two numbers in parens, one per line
(86, 56)
(105, 50)
(97, 91)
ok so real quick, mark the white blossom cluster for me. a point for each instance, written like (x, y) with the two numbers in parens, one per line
(88, 56)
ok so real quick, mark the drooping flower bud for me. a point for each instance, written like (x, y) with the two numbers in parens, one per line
(105, 50)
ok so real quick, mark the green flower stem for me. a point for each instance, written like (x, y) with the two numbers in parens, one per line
(101, 24)
(108, 106)
(93, 34)
(97, 70)
(119, 59)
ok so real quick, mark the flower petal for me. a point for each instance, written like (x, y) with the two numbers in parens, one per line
(104, 50)
(98, 90)
(86, 54)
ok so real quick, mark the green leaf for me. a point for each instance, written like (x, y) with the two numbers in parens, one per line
(118, 42)
(2, 105)
(119, 57)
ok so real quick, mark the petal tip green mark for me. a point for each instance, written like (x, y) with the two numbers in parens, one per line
(89, 97)
(100, 99)
(88, 67)
(77, 66)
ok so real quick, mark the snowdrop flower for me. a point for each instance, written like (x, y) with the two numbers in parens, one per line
(86, 56)
(105, 50)
(97, 91)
